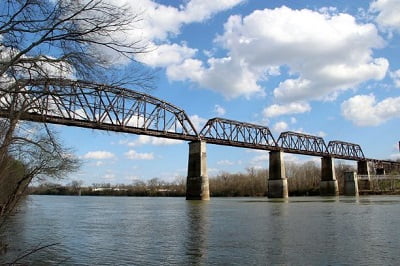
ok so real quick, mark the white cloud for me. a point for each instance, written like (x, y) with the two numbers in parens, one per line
(99, 155)
(198, 122)
(133, 155)
(395, 156)
(389, 11)
(160, 21)
(148, 140)
(260, 161)
(293, 158)
(154, 23)
(219, 110)
(225, 162)
(364, 110)
(238, 78)
(109, 176)
(280, 126)
(325, 54)
(166, 54)
(395, 75)
(292, 108)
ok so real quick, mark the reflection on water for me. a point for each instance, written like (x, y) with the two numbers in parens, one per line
(197, 232)
(245, 231)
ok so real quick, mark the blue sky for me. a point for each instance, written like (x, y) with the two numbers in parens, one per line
(326, 68)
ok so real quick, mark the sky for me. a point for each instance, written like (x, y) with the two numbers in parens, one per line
(326, 68)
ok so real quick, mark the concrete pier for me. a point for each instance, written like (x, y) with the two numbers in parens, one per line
(350, 184)
(197, 186)
(277, 182)
(363, 169)
(329, 185)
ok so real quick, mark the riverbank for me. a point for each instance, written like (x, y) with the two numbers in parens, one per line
(303, 180)
(166, 193)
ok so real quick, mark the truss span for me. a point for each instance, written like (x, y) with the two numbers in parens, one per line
(234, 133)
(90, 105)
(299, 143)
(97, 106)
(345, 150)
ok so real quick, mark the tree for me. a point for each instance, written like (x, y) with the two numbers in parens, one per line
(45, 39)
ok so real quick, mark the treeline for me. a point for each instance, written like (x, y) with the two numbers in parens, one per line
(303, 179)
(152, 188)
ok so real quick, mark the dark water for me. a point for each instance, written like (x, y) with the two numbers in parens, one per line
(172, 231)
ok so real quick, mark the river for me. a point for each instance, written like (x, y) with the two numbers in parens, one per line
(223, 231)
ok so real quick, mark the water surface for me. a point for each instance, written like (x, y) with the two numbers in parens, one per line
(223, 231)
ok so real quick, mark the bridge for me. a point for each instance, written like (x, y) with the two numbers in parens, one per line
(103, 107)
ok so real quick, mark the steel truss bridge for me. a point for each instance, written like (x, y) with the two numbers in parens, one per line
(97, 106)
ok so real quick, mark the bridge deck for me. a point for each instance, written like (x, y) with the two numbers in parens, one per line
(98, 106)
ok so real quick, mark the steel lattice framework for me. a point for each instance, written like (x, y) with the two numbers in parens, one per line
(90, 105)
(97, 106)
(234, 133)
(294, 142)
(345, 150)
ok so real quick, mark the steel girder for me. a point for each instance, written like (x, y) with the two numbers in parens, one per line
(234, 133)
(345, 150)
(294, 142)
(97, 106)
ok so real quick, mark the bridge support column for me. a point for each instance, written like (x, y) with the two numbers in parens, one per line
(363, 169)
(350, 184)
(197, 186)
(329, 185)
(277, 181)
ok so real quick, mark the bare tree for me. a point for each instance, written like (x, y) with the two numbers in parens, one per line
(77, 38)
(47, 39)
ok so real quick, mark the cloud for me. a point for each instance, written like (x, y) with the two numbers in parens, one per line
(388, 13)
(148, 140)
(280, 126)
(166, 54)
(154, 23)
(364, 110)
(133, 155)
(324, 54)
(225, 162)
(198, 122)
(239, 79)
(109, 176)
(99, 155)
(260, 161)
(292, 108)
(159, 21)
(219, 110)
(395, 75)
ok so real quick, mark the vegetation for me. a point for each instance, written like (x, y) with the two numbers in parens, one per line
(303, 179)
(154, 187)
(47, 39)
